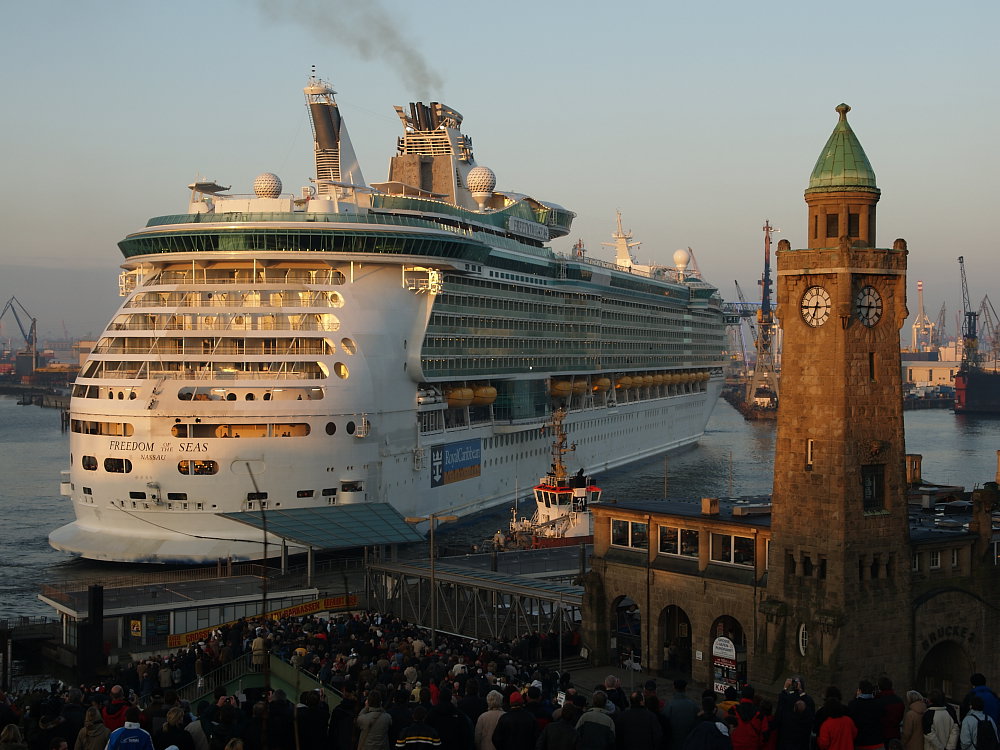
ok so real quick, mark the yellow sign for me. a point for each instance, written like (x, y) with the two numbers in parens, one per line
(326, 604)
(136, 628)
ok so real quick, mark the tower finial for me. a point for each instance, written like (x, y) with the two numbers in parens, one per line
(843, 109)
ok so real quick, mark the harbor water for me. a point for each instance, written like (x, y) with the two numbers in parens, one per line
(733, 458)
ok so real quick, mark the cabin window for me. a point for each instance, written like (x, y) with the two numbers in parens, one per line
(197, 468)
(89, 463)
(117, 465)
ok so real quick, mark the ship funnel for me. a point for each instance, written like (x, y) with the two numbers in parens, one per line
(336, 161)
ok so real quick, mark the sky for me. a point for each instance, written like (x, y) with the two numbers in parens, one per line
(697, 120)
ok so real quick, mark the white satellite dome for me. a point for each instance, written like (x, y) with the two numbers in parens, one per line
(481, 180)
(681, 259)
(267, 185)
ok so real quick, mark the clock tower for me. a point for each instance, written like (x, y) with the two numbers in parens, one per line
(838, 591)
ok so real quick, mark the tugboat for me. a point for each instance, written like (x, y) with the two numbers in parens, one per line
(562, 503)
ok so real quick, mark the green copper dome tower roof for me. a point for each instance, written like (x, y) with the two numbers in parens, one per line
(842, 165)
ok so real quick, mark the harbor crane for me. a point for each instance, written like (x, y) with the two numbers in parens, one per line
(940, 336)
(29, 333)
(970, 323)
(989, 329)
(923, 329)
(762, 391)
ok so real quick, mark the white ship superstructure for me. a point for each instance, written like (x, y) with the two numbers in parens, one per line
(398, 342)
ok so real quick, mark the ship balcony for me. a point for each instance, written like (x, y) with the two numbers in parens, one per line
(249, 324)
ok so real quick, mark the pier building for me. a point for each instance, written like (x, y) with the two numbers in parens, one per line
(844, 574)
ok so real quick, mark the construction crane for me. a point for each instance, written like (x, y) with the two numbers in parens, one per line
(923, 329)
(970, 325)
(29, 333)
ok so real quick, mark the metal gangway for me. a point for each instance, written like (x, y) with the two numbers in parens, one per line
(470, 602)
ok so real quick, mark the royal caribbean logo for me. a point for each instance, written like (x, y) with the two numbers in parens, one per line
(453, 462)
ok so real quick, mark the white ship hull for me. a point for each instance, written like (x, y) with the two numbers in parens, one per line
(356, 345)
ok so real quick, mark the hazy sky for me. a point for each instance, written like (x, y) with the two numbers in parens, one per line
(699, 120)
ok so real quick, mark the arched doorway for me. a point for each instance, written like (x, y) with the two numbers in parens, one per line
(626, 632)
(676, 628)
(946, 667)
(729, 654)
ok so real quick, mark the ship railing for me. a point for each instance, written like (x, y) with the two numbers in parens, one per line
(196, 349)
(321, 278)
(135, 304)
(225, 326)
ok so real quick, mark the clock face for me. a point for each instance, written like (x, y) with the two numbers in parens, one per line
(868, 305)
(815, 306)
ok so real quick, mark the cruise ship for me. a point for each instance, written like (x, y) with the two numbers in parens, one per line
(399, 342)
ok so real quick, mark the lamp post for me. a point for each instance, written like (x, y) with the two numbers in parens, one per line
(434, 520)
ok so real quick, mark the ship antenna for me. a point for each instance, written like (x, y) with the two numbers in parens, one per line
(559, 444)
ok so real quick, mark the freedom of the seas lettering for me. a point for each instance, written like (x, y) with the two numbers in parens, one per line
(149, 450)
(453, 462)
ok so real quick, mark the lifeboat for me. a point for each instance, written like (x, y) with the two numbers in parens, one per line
(483, 395)
(601, 384)
(648, 380)
(560, 388)
(458, 397)
(636, 382)
(659, 379)
(623, 382)
(579, 387)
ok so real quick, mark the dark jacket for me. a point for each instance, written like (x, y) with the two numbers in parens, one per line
(596, 730)
(681, 714)
(707, 735)
(418, 736)
(558, 735)
(792, 722)
(638, 729)
(516, 730)
(867, 716)
(452, 726)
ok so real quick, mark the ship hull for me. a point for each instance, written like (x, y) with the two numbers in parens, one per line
(977, 392)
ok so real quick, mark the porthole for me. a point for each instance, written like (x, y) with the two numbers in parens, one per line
(90, 463)
(249, 397)
(350, 428)
(336, 299)
(230, 397)
(348, 346)
(331, 428)
(341, 371)
(131, 396)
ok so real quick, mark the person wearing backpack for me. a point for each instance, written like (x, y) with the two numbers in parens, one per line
(940, 724)
(979, 731)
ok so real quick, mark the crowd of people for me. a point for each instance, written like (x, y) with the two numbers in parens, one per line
(396, 689)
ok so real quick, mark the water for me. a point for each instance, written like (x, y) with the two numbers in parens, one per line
(734, 458)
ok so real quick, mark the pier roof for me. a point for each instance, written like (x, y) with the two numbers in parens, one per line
(842, 165)
(334, 526)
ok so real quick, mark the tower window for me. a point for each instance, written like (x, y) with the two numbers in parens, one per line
(871, 366)
(873, 487)
(832, 225)
(854, 225)
(815, 227)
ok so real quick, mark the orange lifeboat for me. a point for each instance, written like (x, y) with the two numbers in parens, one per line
(458, 397)
(648, 380)
(580, 387)
(623, 382)
(483, 395)
(560, 388)
(601, 384)
(658, 379)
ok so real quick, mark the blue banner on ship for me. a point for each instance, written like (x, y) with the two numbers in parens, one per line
(453, 462)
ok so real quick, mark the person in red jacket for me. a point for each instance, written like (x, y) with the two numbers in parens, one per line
(748, 734)
(838, 731)
(113, 714)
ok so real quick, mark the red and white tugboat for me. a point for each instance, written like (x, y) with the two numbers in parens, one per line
(562, 503)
